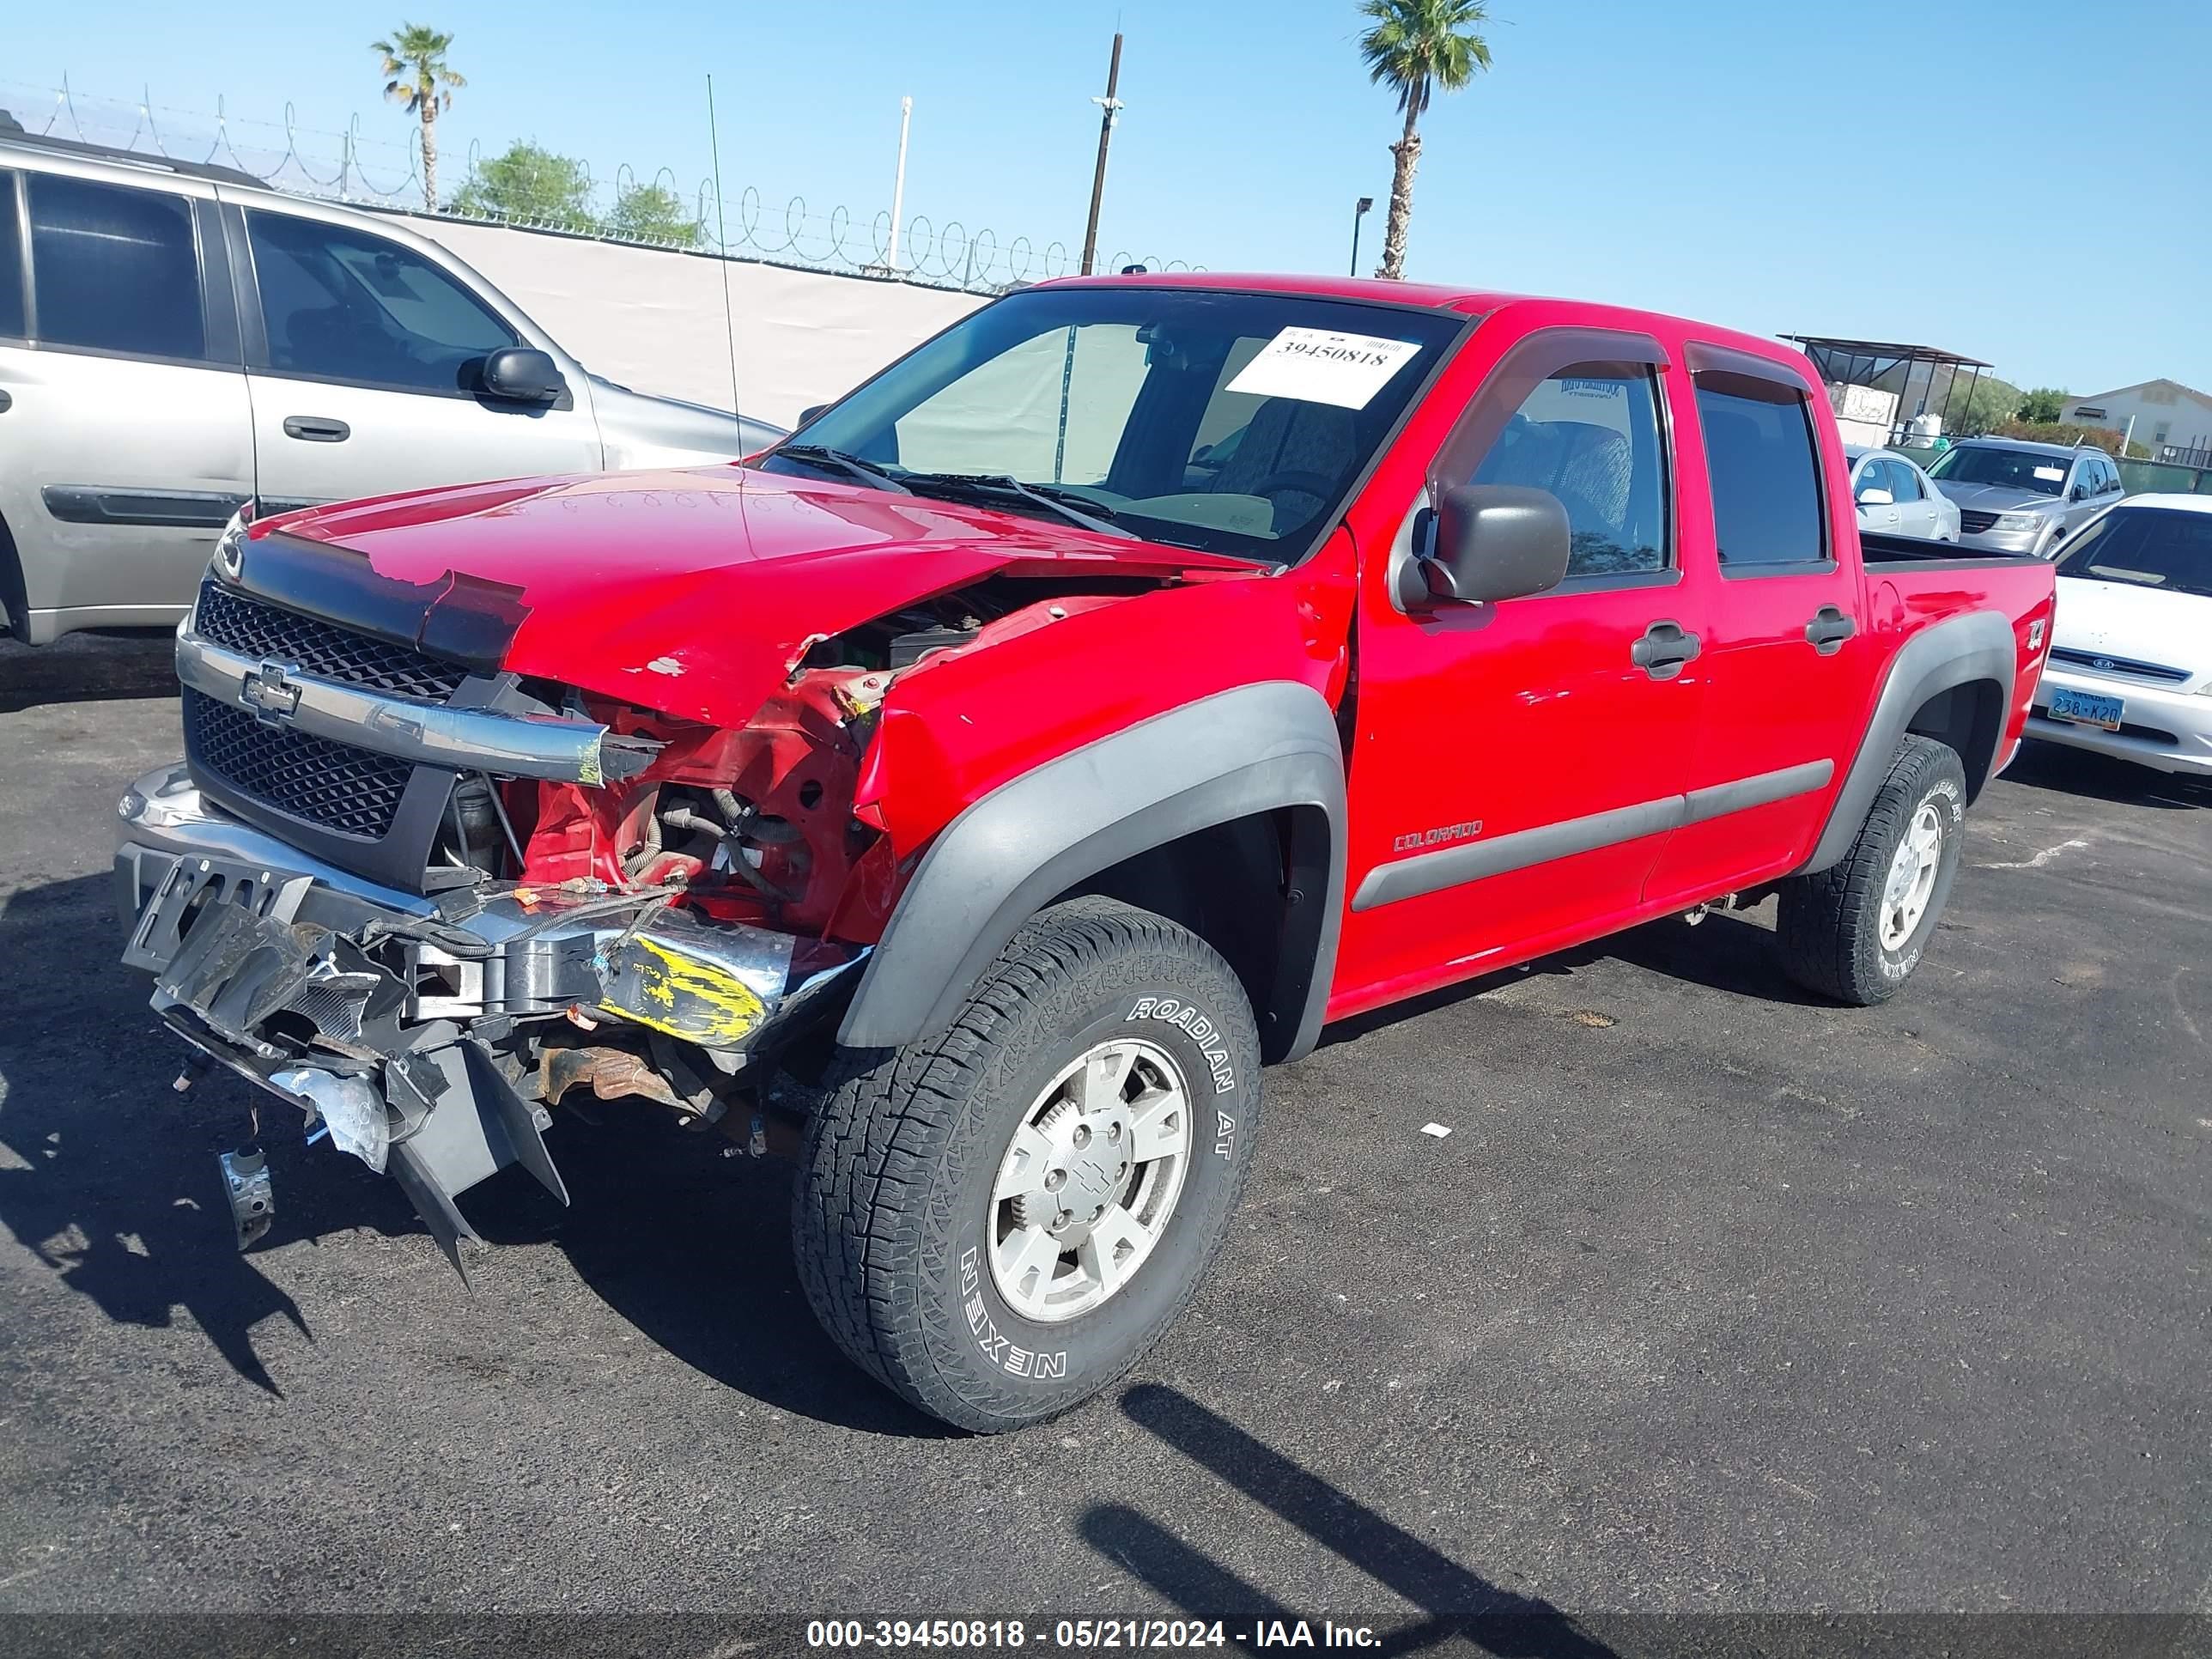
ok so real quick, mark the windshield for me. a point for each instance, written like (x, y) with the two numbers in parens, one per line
(2012, 468)
(1230, 422)
(2165, 548)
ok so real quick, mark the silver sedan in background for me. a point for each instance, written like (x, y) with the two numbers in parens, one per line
(1895, 498)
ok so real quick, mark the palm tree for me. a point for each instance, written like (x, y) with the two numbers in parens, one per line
(1414, 47)
(420, 79)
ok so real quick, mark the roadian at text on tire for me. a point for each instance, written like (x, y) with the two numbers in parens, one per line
(992, 753)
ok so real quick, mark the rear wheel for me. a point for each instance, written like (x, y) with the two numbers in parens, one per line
(998, 1220)
(1857, 932)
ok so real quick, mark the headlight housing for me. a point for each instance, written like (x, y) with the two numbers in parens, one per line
(2027, 520)
(230, 547)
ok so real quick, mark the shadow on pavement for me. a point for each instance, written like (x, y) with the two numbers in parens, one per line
(105, 1176)
(2060, 770)
(1460, 1605)
(1724, 952)
(110, 1178)
(87, 668)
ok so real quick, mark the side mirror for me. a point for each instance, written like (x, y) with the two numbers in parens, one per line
(522, 374)
(2080, 493)
(1875, 495)
(810, 412)
(1488, 542)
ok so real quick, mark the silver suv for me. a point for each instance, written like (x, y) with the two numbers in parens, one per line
(2019, 497)
(174, 339)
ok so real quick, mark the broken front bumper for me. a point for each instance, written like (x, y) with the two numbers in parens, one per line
(322, 988)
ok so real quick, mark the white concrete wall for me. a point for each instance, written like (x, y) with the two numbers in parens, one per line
(651, 318)
(2188, 420)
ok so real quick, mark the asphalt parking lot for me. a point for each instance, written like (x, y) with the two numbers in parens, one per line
(1714, 1300)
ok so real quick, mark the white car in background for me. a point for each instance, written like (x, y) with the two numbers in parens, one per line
(2130, 668)
(1896, 498)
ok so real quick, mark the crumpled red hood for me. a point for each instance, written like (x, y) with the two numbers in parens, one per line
(694, 591)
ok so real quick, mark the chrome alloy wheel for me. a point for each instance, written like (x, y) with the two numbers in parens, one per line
(1912, 876)
(1089, 1184)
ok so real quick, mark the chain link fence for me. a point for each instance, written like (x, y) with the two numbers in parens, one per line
(346, 166)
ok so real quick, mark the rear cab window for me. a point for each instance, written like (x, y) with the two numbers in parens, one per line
(1763, 465)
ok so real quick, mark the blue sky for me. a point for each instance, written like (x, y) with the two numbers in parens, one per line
(2025, 181)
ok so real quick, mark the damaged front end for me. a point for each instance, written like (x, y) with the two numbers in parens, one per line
(426, 891)
(432, 1036)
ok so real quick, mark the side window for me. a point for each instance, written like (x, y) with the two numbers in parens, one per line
(115, 268)
(1904, 481)
(343, 305)
(1764, 467)
(1588, 436)
(11, 262)
(2111, 477)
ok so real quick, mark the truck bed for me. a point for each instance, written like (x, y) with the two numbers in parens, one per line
(1876, 548)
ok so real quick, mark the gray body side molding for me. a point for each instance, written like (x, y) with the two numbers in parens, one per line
(1250, 749)
(1451, 866)
(1957, 651)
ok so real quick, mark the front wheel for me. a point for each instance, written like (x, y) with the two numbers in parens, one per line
(1857, 932)
(996, 1221)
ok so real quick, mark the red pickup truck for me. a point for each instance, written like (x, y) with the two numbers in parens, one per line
(1053, 731)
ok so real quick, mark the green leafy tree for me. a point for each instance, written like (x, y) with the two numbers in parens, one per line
(417, 76)
(1976, 406)
(2040, 405)
(531, 185)
(653, 212)
(1417, 48)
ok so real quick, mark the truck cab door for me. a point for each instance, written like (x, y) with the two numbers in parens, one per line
(1515, 763)
(364, 358)
(1789, 672)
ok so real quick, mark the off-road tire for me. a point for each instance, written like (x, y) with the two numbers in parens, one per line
(890, 1221)
(1830, 924)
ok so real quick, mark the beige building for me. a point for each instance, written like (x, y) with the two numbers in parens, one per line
(2167, 415)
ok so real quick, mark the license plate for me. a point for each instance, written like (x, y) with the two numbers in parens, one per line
(2087, 709)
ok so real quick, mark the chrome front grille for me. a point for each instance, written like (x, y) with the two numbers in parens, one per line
(255, 628)
(2098, 663)
(331, 785)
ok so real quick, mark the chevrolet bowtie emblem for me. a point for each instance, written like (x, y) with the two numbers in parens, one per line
(271, 693)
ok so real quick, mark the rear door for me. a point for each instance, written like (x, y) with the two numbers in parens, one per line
(1516, 765)
(124, 425)
(1789, 669)
(363, 360)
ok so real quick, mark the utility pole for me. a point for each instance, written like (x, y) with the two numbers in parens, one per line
(1112, 106)
(898, 187)
(1360, 210)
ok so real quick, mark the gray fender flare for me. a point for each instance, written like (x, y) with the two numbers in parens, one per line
(1253, 749)
(1956, 650)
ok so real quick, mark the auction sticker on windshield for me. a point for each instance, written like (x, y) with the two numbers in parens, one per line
(1319, 365)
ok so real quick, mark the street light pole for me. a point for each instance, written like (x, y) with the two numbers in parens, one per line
(898, 186)
(1359, 210)
(1112, 106)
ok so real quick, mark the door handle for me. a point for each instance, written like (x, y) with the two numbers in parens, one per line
(1663, 649)
(315, 430)
(1828, 630)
